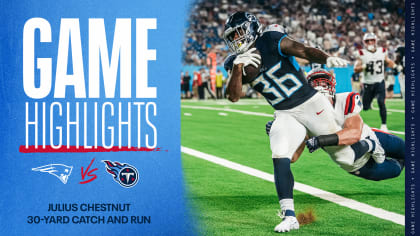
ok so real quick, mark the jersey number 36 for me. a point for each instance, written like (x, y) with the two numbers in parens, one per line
(276, 91)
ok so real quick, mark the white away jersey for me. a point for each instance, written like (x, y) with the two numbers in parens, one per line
(375, 65)
(346, 106)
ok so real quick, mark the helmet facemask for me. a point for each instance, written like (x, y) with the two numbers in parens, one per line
(323, 82)
(239, 36)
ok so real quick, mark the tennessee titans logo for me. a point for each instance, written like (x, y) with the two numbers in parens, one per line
(62, 172)
(124, 174)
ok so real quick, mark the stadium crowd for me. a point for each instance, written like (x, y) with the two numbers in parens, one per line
(336, 26)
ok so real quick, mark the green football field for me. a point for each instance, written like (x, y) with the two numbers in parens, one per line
(225, 201)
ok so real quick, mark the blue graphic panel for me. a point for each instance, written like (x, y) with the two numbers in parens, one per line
(132, 182)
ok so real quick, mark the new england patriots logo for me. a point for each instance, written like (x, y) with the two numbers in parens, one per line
(62, 172)
(124, 174)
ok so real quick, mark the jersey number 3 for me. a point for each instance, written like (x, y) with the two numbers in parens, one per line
(277, 88)
(375, 67)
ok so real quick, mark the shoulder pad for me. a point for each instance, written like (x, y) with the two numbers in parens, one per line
(353, 104)
(275, 27)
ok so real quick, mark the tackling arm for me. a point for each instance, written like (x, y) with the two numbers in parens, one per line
(351, 131)
(350, 134)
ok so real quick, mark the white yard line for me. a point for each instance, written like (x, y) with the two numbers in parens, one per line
(393, 110)
(228, 110)
(328, 196)
(250, 113)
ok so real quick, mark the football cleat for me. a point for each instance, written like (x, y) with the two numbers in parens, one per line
(384, 128)
(288, 223)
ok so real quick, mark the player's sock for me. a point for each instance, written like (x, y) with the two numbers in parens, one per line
(362, 147)
(287, 207)
(371, 143)
(283, 178)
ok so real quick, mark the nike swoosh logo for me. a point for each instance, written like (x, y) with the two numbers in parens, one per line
(320, 112)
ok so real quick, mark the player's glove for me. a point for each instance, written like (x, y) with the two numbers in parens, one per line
(268, 126)
(336, 62)
(312, 144)
(248, 58)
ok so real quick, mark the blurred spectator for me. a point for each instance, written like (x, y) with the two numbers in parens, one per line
(355, 83)
(336, 25)
(200, 83)
(186, 85)
(219, 84)
(205, 76)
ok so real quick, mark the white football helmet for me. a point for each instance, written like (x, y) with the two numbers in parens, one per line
(367, 41)
(323, 81)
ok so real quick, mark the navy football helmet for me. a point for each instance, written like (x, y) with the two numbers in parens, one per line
(323, 81)
(241, 31)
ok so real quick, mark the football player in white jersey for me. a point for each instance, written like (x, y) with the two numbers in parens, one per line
(375, 155)
(371, 62)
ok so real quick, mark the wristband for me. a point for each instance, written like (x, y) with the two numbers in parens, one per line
(328, 140)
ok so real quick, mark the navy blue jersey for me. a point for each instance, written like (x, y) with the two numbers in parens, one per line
(281, 80)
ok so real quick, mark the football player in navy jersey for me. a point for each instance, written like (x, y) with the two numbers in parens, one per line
(298, 106)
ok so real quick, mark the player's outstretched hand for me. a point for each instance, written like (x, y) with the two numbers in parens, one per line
(312, 144)
(336, 62)
(268, 126)
(248, 58)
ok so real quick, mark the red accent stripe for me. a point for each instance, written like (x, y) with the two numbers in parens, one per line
(360, 52)
(380, 131)
(354, 102)
(347, 103)
(383, 49)
(73, 149)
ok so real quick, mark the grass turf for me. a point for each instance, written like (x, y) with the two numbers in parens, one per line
(229, 202)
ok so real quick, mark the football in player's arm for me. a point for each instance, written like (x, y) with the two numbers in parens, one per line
(289, 47)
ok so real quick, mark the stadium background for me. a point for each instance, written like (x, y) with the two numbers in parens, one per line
(228, 202)
(335, 26)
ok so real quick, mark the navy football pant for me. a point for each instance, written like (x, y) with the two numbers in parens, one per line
(370, 91)
(392, 166)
